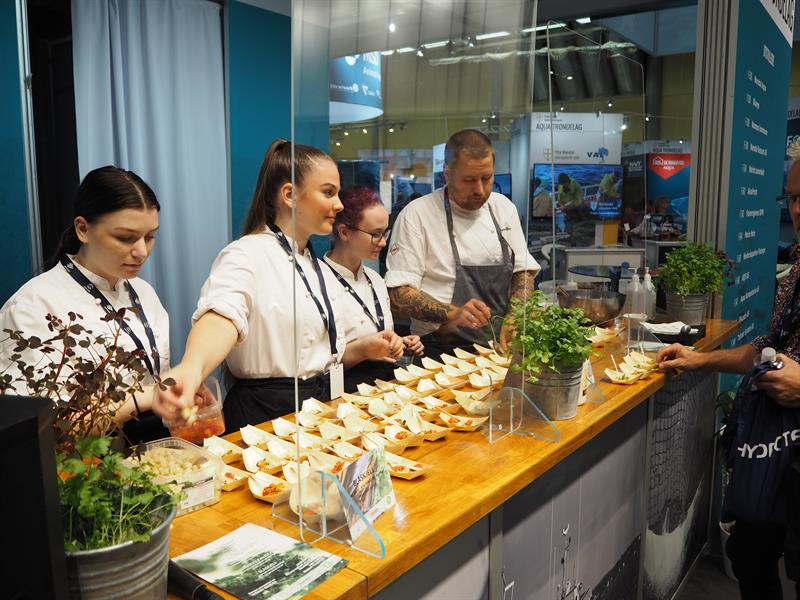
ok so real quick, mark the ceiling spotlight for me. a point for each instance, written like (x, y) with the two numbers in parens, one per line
(364, 130)
(624, 126)
(347, 133)
(680, 141)
(392, 27)
(412, 176)
(569, 77)
(493, 116)
(420, 52)
(552, 73)
(647, 118)
(483, 120)
(338, 143)
(470, 42)
(391, 175)
(562, 108)
(610, 103)
(391, 129)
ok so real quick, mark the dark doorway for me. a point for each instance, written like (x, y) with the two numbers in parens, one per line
(50, 35)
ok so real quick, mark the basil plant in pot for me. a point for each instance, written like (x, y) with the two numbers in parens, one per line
(115, 518)
(689, 276)
(550, 345)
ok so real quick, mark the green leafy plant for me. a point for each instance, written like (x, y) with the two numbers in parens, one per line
(87, 376)
(548, 336)
(104, 501)
(694, 269)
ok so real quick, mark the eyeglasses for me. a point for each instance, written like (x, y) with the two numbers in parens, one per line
(376, 237)
(788, 199)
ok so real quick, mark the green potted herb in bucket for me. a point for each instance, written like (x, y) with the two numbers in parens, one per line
(115, 518)
(551, 344)
(689, 276)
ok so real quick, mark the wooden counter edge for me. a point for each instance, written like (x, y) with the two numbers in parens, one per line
(403, 562)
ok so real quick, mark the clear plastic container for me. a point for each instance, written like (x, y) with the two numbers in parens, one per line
(205, 420)
(195, 472)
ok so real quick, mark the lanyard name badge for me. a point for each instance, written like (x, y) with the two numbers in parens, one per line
(378, 320)
(154, 366)
(328, 320)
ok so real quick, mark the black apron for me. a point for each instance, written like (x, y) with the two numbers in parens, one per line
(489, 283)
(253, 401)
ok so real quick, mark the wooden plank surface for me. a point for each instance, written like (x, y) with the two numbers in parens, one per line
(470, 478)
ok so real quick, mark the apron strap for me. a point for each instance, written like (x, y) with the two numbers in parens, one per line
(505, 247)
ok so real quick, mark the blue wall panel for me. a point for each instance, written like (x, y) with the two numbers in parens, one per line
(14, 232)
(259, 76)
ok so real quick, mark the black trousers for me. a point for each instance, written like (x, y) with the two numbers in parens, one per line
(754, 552)
(144, 428)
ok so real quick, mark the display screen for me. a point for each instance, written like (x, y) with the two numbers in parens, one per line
(502, 184)
(593, 190)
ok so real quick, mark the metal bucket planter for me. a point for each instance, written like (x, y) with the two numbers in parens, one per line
(556, 394)
(131, 570)
(691, 309)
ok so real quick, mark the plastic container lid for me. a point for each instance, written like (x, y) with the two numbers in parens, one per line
(197, 473)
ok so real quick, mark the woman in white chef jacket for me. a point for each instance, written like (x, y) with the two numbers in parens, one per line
(360, 233)
(245, 314)
(94, 271)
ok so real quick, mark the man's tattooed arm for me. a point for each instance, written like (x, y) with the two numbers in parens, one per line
(522, 284)
(411, 302)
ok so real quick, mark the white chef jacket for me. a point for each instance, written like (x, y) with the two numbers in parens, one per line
(55, 292)
(420, 254)
(355, 323)
(251, 284)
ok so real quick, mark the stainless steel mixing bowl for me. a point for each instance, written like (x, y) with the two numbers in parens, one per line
(599, 303)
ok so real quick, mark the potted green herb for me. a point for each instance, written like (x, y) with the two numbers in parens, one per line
(689, 276)
(552, 344)
(115, 518)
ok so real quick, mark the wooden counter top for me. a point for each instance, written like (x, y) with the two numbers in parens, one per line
(470, 478)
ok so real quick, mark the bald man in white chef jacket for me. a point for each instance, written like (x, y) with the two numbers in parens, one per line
(458, 255)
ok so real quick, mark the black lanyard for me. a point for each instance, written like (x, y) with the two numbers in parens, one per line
(330, 323)
(87, 285)
(380, 321)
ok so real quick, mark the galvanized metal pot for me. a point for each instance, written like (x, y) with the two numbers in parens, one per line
(131, 570)
(691, 308)
(556, 394)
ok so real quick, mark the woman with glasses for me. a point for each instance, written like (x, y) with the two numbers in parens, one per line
(360, 233)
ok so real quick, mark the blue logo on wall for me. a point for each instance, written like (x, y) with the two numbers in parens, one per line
(600, 153)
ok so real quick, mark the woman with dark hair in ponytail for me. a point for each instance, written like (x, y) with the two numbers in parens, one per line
(246, 312)
(94, 271)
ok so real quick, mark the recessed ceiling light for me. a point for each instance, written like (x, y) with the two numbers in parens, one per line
(405, 49)
(436, 44)
(392, 27)
(491, 36)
